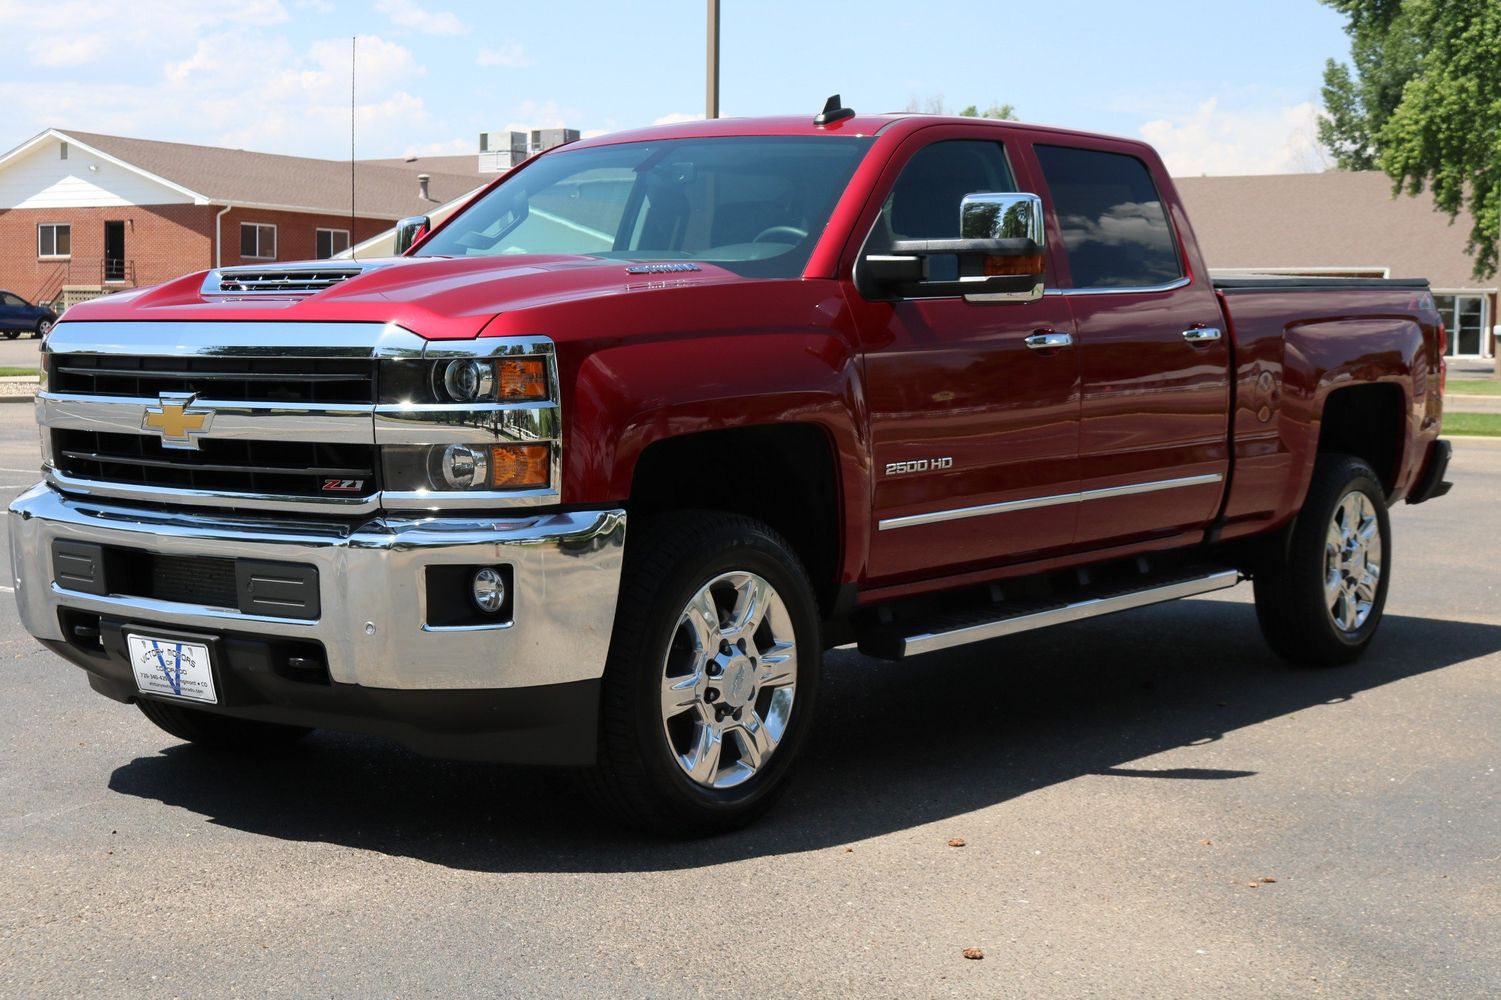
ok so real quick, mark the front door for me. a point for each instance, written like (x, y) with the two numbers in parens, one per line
(1153, 354)
(973, 431)
(114, 252)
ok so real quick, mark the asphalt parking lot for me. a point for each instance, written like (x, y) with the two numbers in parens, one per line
(1152, 806)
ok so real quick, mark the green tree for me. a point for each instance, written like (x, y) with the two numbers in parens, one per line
(1005, 112)
(1386, 52)
(1424, 105)
(1446, 131)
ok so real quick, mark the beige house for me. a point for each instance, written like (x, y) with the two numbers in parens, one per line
(1342, 223)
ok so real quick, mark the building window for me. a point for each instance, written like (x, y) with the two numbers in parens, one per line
(330, 242)
(62, 151)
(54, 240)
(1465, 316)
(257, 241)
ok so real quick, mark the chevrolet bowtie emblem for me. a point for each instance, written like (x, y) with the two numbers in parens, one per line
(175, 422)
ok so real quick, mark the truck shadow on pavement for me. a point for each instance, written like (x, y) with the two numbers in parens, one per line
(895, 746)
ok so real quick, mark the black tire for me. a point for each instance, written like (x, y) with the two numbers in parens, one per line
(669, 561)
(12, 334)
(1292, 603)
(219, 732)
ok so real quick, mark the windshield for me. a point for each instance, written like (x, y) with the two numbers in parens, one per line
(753, 205)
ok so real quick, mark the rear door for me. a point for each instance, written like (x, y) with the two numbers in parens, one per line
(1154, 359)
(12, 311)
(974, 433)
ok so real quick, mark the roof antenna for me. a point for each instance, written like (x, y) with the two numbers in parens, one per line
(832, 112)
(353, 40)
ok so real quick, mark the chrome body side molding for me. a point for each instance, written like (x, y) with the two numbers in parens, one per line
(1032, 503)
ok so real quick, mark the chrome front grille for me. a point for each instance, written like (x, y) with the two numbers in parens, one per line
(267, 468)
(290, 417)
(252, 379)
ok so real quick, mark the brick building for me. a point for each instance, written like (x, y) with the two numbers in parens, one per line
(82, 214)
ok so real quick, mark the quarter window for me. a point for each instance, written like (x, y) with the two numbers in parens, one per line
(257, 241)
(1115, 228)
(53, 240)
(330, 242)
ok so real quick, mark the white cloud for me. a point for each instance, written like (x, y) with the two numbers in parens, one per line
(76, 51)
(677, 117)
(508, 55)
(412, 15)
(448, 147)
(1276, 140)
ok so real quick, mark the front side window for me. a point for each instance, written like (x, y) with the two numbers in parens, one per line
(330, 242)
(257, 241)
(54, 240)
(1115, 226)
(6, 298)
(755, 205)
(924, 201)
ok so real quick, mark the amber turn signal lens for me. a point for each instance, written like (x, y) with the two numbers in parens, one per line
(520, 466)
(523, 379)
(996, 267)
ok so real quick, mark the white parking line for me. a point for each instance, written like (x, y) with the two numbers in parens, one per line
(8, 590)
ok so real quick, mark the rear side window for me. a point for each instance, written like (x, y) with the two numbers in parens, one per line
(1115, 227)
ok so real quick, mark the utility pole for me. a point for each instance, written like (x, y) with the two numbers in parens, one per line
(711, 74)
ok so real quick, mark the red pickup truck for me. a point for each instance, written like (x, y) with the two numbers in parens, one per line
(596, 470)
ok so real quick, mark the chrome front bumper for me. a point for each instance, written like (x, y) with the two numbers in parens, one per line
(566, 577)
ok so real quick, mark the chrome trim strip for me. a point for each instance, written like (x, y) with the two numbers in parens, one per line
(929, 642)
(467, 423)
(332, 506)
(1010, 506)
(333, 423)
(234, 339)
(1165, 287)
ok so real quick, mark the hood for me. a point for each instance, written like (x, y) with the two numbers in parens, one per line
(439, 298)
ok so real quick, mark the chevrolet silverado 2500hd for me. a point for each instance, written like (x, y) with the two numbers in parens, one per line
(594, 472)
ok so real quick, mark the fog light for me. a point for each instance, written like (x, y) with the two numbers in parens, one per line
(489, 590)
(469, 380)
(463, 467)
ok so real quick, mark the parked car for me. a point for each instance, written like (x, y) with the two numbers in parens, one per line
(17, 316)
(595, 473)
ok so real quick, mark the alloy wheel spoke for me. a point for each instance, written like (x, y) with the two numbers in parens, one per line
(778, 665)
(751, 600)
(702, 616)
(755, 741)
(702, 764)
(679, 694)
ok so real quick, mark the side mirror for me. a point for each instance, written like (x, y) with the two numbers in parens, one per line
(410, 230)
(998, 257)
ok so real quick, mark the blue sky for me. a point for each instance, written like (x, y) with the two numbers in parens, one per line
(1220, 88)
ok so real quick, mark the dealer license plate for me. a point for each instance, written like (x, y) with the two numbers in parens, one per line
(171, 667)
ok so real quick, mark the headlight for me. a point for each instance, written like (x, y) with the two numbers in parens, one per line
(455, 468)
(466, 380)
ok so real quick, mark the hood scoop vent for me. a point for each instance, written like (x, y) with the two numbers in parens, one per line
(279, 279)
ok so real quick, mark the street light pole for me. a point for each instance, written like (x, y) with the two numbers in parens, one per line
(711, 74)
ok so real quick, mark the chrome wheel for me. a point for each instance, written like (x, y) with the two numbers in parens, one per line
(728, 680)
(1352, 562)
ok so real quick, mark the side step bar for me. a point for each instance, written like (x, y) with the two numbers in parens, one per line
(954, 633)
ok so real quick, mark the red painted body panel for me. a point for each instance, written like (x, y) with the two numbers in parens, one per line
(644, 360)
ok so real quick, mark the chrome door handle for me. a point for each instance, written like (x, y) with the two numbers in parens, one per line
(1201, 335)
(1042, 341)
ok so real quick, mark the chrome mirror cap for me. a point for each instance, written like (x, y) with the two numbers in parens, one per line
(1001, 216)
(408, 231)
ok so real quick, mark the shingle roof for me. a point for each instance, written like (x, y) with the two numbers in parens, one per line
(1333, 219)
(294, 182)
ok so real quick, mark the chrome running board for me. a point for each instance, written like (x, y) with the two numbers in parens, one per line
(950, 633)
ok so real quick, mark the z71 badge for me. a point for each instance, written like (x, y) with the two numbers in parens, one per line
(343, 485)
(918, 465)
